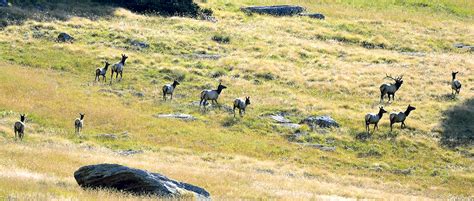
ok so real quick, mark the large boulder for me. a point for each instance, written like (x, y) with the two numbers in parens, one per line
(135, 181)
(280, 10)
(320, 121)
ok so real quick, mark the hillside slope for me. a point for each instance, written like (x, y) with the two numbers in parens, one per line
(292, 65)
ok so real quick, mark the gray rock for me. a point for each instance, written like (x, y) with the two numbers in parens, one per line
(154, 81)
(405, 172)
(129, 152)
(135, 181)
(176, 116)
(458, 45)
(318, 146)
(64, 37)
(280, 119)
(279, 10)
(291, 125)
(209, 18)
(469, 47)
(464, 46)
(139, 44)
(318, 16)
(320, 121)
(138, 94)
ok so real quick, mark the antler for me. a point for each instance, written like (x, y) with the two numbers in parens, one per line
(389, 76)
(399, 78)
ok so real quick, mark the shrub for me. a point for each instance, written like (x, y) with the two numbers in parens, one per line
(221, 38)
(218, 73)
(265, 76)
(173, 74)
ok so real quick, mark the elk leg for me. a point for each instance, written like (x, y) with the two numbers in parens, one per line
(367, 127)
(121, 76)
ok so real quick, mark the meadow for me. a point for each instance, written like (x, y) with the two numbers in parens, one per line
(294, 65)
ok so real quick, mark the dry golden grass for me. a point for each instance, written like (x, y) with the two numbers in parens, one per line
(26, 172)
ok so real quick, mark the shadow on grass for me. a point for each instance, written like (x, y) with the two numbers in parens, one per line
(46, 12)
(51, 10)
(458, 125)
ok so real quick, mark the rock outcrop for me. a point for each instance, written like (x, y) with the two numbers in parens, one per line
(64, 37)
(320, 121)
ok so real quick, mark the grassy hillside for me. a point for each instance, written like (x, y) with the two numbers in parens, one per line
(295, 65)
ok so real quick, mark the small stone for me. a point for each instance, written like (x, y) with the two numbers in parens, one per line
(319, 146)
(64, 37)
(129, 152)
(139, 44)
(280, 119)
(318, 16)
(176, 116)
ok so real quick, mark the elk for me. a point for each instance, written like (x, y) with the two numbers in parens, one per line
(391, 88)
(102, 72)
(79, 123)
(19, 127)
(241, 105)
(118, 68)
(374, 119)
(169, 89)
(400, 117)
(455, 84)
(212, 95)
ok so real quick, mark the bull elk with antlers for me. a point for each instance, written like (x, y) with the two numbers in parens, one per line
(390, 88)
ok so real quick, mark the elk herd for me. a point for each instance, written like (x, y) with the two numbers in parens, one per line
(388, 89)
